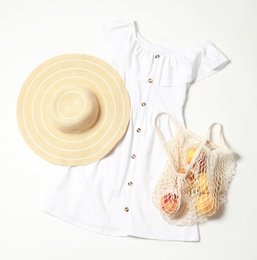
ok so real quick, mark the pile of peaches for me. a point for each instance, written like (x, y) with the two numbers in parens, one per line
(196, 185)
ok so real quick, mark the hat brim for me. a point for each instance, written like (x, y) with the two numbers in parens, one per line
(79, 148)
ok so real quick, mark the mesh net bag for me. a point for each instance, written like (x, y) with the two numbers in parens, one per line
(196, 178)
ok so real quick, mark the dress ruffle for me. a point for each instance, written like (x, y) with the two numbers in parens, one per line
(178, 66)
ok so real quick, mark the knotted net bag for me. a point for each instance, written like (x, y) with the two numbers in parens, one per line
(196, 177)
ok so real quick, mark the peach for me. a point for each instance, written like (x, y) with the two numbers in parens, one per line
(206, 205)
(200, 161)
(169, 203)
(203, 184)
(190, 154)
(190, 175)
(182, 171)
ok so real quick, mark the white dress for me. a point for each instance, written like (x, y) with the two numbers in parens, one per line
(113, 196)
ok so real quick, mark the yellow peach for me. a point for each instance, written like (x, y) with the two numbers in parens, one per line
(206, 205)
(203, 185)
(200, 162)
(190, 175)
(190, 154)
(182, 171)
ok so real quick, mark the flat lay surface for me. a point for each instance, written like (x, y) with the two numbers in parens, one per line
(114, 195)
(32, 32)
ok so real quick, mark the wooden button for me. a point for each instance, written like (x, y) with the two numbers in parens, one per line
(139, 130)
(143, 104)
(130, 183)
(150, 81)
(126, 209)
(157, 56)
(133, 156)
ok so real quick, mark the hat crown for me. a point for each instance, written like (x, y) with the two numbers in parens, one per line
(74, 108)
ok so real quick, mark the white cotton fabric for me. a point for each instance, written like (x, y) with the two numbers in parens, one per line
(113, 196)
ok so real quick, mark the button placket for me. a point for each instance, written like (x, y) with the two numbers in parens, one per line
(132, 170)
(135, 157)
(138, 137)
(148, 87)
(151, 79)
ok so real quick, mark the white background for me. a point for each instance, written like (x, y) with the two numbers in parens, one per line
(34, 31)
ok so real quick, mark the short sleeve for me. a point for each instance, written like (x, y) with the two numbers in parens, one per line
(118, 37)
(209, 61)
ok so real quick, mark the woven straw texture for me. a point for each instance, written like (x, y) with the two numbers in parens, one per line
(88, 80)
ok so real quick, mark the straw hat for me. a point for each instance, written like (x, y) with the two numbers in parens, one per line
(73, 109)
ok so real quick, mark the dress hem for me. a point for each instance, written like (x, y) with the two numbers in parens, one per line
(108, 232)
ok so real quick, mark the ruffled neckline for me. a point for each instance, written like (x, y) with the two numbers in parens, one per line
(164, 67)
(155, 48)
